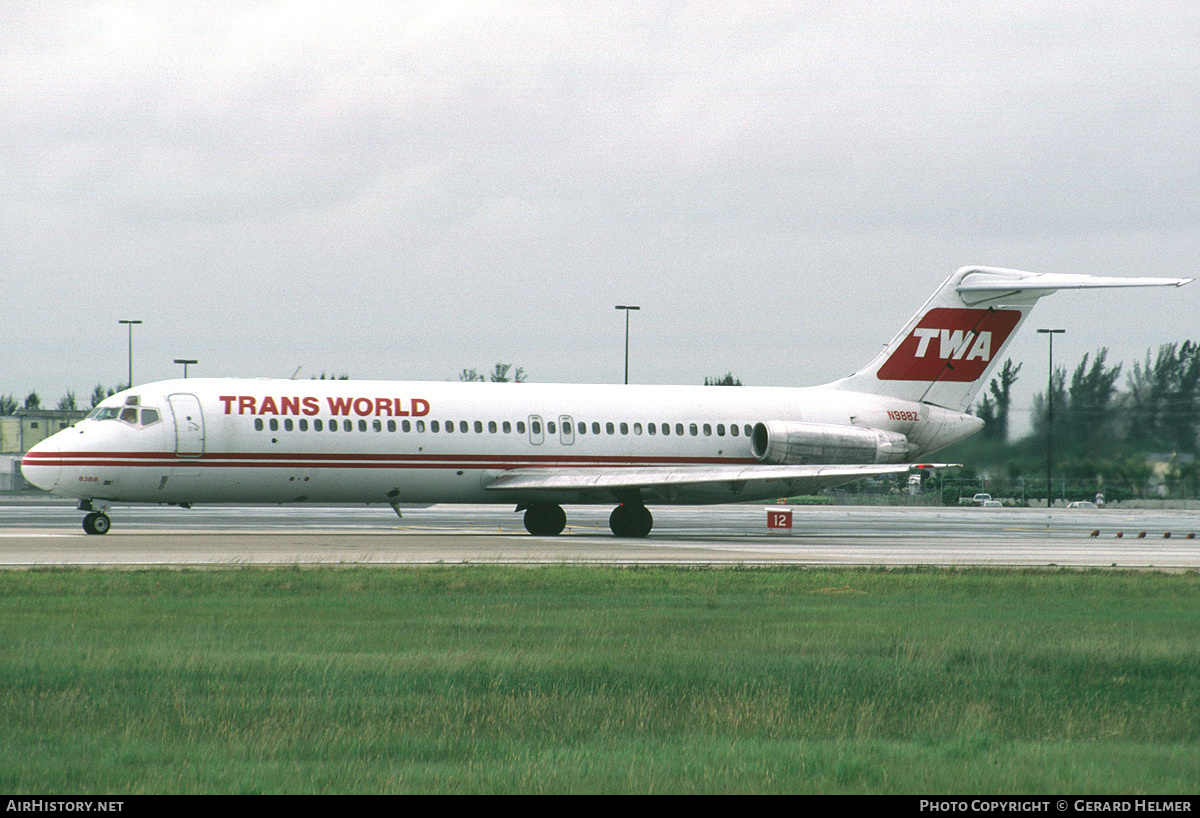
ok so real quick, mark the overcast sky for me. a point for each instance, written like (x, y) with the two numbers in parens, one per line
(405, 189)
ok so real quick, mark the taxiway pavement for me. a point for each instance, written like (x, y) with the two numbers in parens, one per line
(42, 532)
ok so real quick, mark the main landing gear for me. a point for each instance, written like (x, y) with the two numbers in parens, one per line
(627, 520)
(630, 520)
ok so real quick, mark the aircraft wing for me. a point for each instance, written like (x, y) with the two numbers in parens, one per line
(657, 477)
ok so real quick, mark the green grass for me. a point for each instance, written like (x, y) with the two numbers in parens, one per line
(573, 679)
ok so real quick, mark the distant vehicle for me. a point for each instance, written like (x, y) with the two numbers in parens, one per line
(991, 504)
(542, 446)
(981, 499)
(1082, 504)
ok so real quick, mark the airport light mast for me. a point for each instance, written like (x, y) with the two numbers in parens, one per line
(627, 309)
(1050, 333)
(129, 385)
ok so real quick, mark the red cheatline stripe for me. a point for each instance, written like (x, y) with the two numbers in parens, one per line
(158, 459)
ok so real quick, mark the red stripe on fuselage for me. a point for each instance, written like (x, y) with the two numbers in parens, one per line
(364, 461)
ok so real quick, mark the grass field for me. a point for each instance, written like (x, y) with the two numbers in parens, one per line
(580, 679)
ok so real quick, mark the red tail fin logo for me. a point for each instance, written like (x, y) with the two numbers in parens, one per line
(950, 344)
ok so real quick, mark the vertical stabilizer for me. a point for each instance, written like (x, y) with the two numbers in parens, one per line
(946, 352)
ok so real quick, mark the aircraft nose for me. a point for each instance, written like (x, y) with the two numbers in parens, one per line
(41, 465)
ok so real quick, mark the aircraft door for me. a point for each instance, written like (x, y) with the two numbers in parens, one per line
(189, 425)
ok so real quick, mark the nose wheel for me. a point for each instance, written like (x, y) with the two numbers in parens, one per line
(97, 523)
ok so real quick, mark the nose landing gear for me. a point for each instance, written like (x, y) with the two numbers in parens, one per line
(97, 523)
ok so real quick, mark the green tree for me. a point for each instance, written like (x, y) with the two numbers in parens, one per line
(1089, 414)
(1163, 409)
(67, 402)
(499, 374)
(32, 401)
(8, 405)
(726, 380)
(1001, 393)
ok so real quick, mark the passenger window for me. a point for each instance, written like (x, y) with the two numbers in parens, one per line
(348, 425)
(492, 427)
(624, 428)
(637, 428)
(679, 429)
(535, 427)
(377, 425)
(582, 427)
(733, 429)
(595, 427)
(405, 426)
(520, 427)
(707, 430)
(274, 425)
(507, 427)
(391, 425)
(551, 428)
(608, 427)
(421, 426)
(287, 424)
(304, 424)
(666, 428)
(747, 430)
(694, 431)
(258, 424)
(463, 427)
(318, 425)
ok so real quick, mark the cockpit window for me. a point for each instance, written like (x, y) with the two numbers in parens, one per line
(131, 414)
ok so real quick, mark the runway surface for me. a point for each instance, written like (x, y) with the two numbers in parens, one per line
(42, 532)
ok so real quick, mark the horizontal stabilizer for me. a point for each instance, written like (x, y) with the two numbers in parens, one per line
(1001, 281)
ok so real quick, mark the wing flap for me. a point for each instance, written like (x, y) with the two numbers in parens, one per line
(581, 479)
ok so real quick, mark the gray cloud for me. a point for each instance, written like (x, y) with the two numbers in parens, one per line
(405, 189)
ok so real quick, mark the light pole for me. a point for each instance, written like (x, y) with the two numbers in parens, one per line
(185, 362)
(627, 308)
(130, 324)
(1050, 333)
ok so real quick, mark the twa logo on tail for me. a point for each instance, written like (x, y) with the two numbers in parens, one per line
(950, 345)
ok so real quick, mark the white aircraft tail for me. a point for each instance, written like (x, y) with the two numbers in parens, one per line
(946, 352)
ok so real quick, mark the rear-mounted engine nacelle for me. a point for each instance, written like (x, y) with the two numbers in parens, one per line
(786, 442)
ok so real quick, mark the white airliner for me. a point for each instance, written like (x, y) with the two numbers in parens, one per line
(542, 446)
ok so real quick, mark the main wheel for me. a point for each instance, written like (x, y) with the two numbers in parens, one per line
(630, 521)
(545, 519)
(97, 523)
